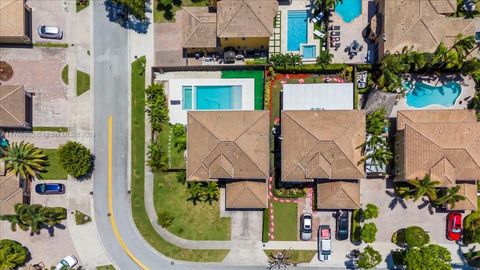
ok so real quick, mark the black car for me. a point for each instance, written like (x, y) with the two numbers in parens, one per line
(50, 188)
(342, 225)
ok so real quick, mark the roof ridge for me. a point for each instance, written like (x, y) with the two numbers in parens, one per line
(395, 42)
(429, 31)
(428, 159)
(11, 195)
(231, 18)
(258, 18)
(196, 27)
(335, 142)
(245, 187)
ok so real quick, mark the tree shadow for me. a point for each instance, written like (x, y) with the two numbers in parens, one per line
(396, 200)
(119, 14)
(51, 229)
(427, 203)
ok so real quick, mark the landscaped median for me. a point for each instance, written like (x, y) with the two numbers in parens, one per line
(296, 256)
(138, 179)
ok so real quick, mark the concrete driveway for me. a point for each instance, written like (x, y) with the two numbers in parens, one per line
(40, 69)
(393, 216)
(51, 13)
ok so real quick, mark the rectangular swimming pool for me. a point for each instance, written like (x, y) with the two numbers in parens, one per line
(349, 10)
(212, 97)
(297, 31)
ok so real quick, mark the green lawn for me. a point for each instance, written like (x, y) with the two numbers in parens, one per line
(83, 82)
(176, 157)
(285, 218)
(50, 45)
(81, 6)
(65, 74)
(195, 222)
(106, 267)
(161, 15)
(296, 256)
(54, 129)
(54, 170)
(138, 177)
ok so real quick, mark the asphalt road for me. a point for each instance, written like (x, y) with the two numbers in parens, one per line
(111, 98)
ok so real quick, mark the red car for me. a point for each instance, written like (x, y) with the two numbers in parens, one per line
(454, 226)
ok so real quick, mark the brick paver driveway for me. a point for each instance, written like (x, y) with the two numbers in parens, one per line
(393, 216)
(39, 69)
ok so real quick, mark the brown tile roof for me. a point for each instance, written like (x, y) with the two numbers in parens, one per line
(322, 144)
(469, 191)
(338, 195)
(12, 18)
(246, 18)
(419, 23)
(246, 195)
(199, 28)
(447, 149)
(12, 106)
(10, 194)
(227, 144)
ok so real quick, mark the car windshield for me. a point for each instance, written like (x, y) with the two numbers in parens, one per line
(65, 263)
(326, 252)
(456, 230)
(43, 188)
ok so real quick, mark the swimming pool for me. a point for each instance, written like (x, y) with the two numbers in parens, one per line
(309, 51)
(348, 10)
(212, 97)
(423, 95)
(297, 29)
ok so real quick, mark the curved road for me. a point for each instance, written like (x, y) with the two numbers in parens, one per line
(111, 98)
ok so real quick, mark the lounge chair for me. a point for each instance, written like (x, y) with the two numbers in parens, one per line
(335, 33)
(319, 34)
(318, 18)
(335, 38)
(334, 27)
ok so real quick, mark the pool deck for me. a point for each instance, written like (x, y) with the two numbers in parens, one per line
(174, 92)
(350, 32)
(297, 5)
(468, 91)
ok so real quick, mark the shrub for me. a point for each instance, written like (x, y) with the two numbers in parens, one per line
(398, 256)
(398, 237)
(165, 219)
(267, 93)
(327, 69)
(266, 222)
(368, 233)
(182, 177)
(155, 155)
(12, 254)
(370, 212)
(76, 159)
(369, 258)
(356, 229)
(179, 137)
(416, 237)
(471, 228)
(156, 104)
(428, 257)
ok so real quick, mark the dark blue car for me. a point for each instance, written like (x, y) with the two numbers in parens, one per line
(50, 188)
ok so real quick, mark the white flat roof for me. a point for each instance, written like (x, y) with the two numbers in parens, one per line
(322, 96)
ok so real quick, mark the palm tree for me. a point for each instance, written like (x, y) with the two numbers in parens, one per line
(451, 197)
(295, 59)
(424, 187)
(379, 156)
(25, 159)
(324, 58)
(328, 5)
(196, 192)
(279, 260)
(377, 121)
(212, 193)
(35, 216)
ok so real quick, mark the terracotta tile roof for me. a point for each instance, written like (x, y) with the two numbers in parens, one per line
(10, 193)
(338, 195)
(447, 149)
(12, 106)
(12, 18)
(421, 24)
(246, 195)
(199, 28)
(469, 191)
(227, 144)
(246, 18)
(322, 144)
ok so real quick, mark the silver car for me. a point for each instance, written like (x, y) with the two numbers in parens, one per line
(52, 32)
(306, 227)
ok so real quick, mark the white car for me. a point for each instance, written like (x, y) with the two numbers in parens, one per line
(306, 227)
(324, 243)
(67, 262)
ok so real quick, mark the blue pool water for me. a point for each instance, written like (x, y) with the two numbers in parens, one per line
(423, 95)
(348, 10)
(297, 29)
(309, 51)
(218, 97)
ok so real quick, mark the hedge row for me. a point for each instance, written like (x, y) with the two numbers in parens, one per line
(327, 69)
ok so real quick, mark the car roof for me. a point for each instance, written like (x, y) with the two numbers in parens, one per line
(326, 244)
(51, 29)
(71, 260)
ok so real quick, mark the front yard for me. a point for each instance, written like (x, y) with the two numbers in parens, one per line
(285, 220)
(54, 170)
(163, 14)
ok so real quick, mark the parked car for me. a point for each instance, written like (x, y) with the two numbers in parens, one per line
(324, 243)
(52, 32)
(454, 226)
(67, 262)
(342, 225)
(306, 227)
(50, 188)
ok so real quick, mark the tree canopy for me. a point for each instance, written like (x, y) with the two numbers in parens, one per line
(12, 254)
(369, 258)
(25, 159)
(416, 237)
(76, 159)
(368, 233)
(432, 257)
(136, 8)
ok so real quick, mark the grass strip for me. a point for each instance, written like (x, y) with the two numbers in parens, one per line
(138, 179)
(53, 129)
(83, 82)
(65, 74)
(50, 45)
(54, 170)
(285, 219)
(296, 256)
(81, 6)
